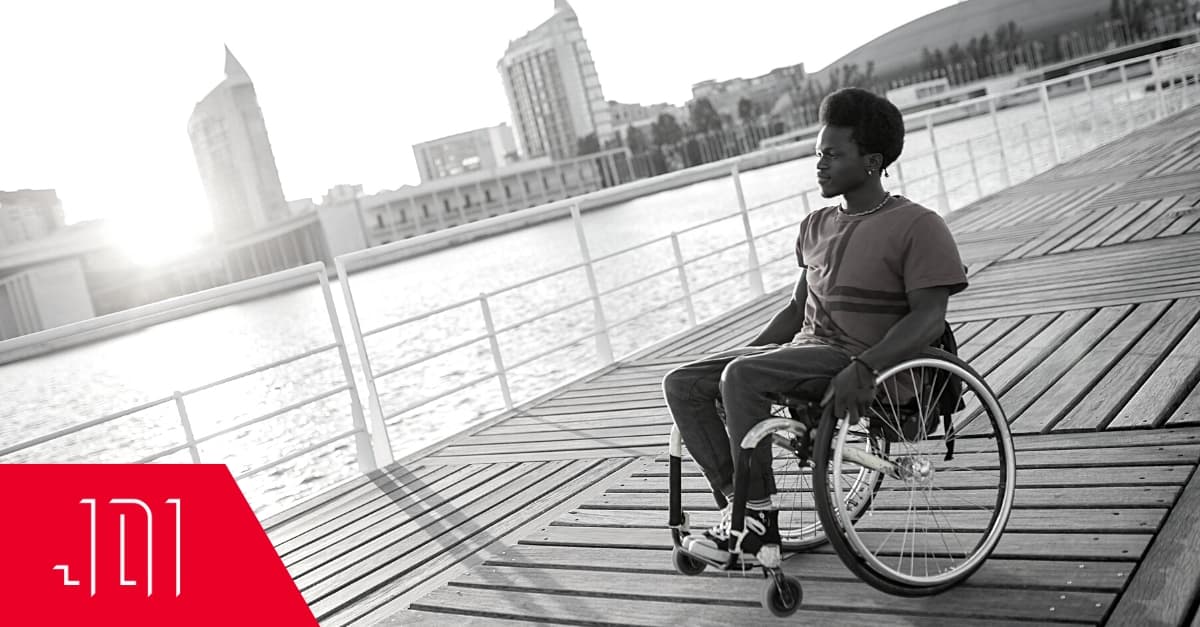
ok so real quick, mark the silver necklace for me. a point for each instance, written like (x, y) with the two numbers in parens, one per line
(886, 197)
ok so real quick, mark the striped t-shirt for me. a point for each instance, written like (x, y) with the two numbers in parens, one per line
(860, 268)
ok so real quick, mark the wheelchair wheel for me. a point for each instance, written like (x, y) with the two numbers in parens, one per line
(799, 525)
(932, 522)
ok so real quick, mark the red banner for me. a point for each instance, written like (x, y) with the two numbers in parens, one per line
(143, 544)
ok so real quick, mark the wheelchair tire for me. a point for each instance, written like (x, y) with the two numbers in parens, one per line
(920, 538)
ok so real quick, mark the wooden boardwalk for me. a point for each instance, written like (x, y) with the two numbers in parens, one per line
(1083, 314)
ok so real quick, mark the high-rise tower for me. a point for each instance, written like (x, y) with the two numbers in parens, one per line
(233, 152)
(553, 89)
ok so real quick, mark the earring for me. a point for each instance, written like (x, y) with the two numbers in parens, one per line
(885, 174)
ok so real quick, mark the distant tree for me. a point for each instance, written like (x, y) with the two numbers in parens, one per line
(691, 153)
(665, 130)
(927, 59)
(588, 145)
(635, 140)
(746, 110)
(704, 116)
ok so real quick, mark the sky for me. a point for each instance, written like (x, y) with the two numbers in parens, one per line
(95, 96)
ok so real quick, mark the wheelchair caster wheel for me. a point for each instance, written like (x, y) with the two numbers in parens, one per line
(782, 595)
(686, 564)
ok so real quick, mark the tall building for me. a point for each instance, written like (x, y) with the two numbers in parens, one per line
(480, 149)
(29, 214)
(553, 89)
(233, 152)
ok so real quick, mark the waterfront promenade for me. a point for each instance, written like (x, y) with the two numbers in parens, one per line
(1083, 315)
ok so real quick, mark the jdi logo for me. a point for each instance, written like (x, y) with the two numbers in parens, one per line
(134, 541)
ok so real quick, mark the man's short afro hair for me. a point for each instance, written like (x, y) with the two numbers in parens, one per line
(877, 123)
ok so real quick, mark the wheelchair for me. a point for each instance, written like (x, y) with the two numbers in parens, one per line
(905, 511)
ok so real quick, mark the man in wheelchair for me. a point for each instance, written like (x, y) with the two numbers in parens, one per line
(877, 271)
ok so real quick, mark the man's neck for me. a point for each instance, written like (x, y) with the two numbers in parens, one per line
(863, 198)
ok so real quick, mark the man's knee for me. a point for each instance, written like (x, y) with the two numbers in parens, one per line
(737, 373)
(679, 383)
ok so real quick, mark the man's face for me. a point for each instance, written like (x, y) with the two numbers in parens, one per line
(840, 166)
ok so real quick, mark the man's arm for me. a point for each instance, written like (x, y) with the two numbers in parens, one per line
(924, 322)
(788, 321)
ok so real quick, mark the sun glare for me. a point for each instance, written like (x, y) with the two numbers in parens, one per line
(151, 243)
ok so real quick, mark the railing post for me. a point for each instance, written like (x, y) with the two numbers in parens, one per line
(1093, 116)
(501, 374)
(1160, 105)
(374, 445)
(804, 201)
(187, 427)
(491, 333)
(756, 281)
(900, 179)
(603, 344)
(1000, 142)
(1029, 149)
(1045, 96)
(1130, 117)
(974, 171)
(683, 280)
(943, 198)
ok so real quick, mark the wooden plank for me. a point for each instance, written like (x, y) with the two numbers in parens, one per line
(958, 602)
(1064, 497)
(1188, 412)
(385, 496)
(488, 537)
(1056, 363)
(995, 572)
(1011, 343)
(602, 435)
(353, 494)
(411, 618)
(1184, 452)
(1059, 546)
(1146, 222)
(315, 550)
(1167, 386)
(552, 455)
(560, 415)
(364, 564)
(1098, 408)
(1074, 520)
(1028, 478)
(1121, 220)
(552, 426)
(562, 608)
(1055, 402)
(984, 340)
(464, 448)
(1165, 588)
(1034, 350)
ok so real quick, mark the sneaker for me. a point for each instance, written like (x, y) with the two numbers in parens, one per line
(720, 542)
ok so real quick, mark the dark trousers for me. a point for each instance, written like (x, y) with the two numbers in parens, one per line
(743, 377)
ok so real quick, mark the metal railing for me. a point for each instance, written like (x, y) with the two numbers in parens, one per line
(186, 305)
(1004, 152)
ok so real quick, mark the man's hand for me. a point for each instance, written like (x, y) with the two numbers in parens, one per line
(851, 389)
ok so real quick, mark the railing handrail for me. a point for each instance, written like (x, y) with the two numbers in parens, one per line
(185, 303)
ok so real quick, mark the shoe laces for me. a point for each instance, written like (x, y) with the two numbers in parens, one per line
(721, 529)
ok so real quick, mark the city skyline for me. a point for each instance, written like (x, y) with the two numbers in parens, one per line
(103, 112)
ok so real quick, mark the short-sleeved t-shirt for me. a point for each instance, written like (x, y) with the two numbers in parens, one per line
(861, 268)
